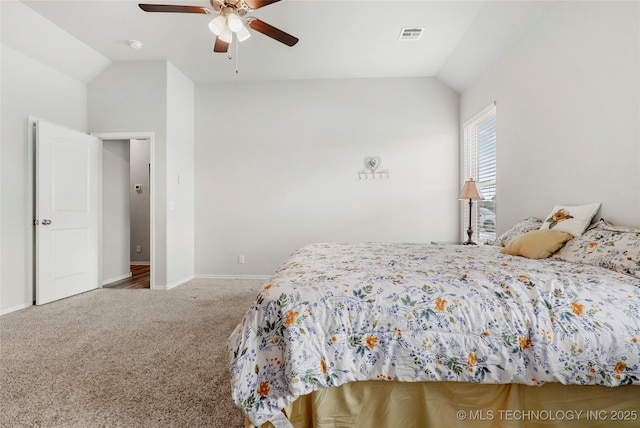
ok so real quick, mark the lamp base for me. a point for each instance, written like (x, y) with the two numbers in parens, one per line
(469, 230)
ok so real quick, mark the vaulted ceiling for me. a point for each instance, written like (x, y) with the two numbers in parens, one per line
(338, 39)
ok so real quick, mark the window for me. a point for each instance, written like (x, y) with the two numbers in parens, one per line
(480, 164)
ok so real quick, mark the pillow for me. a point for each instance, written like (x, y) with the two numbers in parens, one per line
(603, 224)
(524, 226)
(537, 244)
(573, 219)
(608, 246)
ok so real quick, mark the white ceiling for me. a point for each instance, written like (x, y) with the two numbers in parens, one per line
(338, 39)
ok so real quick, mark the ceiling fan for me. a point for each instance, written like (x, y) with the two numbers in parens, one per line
(231, 14)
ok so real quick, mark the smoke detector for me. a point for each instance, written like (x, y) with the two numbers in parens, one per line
(135, 44)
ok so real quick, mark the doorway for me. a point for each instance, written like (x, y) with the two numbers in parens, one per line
(126, 208)
(128, 218)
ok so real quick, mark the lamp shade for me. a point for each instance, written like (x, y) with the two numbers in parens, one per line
(217, 25)
(234, 22)
(227, 35)
(243, 34)
(469, 190)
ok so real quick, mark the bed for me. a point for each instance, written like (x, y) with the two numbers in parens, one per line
(390, 334)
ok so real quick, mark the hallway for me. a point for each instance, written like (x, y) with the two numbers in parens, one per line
(140, 278)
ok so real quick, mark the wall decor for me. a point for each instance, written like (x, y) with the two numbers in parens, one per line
(372, 163)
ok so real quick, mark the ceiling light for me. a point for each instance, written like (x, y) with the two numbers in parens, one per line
(243, 34)
(135, 44)
(234, 21)
(217, 25)
(226, 35)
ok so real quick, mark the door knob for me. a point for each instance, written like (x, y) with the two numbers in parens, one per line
(46, 222)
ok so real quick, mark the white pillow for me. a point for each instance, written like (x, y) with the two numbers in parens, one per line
(573, 219)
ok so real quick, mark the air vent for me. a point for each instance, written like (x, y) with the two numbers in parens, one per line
(413, 33)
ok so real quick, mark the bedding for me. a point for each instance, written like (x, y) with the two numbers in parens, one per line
(612, 247)
(339, 313)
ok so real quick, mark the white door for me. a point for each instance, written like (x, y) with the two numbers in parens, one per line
(66, 212)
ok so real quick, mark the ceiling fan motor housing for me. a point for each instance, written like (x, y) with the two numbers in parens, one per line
(238, 6)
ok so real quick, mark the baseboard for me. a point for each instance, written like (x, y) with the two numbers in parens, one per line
(182, 281)
(15, 308)
(140, 263)
(174, 284)
(262, 277)
(115, 279)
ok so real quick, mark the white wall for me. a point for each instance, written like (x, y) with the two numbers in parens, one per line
(131, 97)
(277, 167)
(180, 176)
(140, 202)
(115, 210)
(568, 113)
(154, 96)
(28, 87)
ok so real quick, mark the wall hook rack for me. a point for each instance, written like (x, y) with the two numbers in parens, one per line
(372, 163)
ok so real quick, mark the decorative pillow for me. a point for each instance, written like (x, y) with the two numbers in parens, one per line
(537, 244)
(573, 219)
(524, 226)
(603, 224)
(612, 247)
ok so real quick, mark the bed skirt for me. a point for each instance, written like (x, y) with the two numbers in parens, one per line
(391, 404)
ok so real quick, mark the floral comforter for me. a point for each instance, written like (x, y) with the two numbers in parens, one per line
(338, 313)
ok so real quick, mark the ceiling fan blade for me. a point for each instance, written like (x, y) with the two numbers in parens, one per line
(220, 46)
(271, 31)
(173, 8)
(257, 4)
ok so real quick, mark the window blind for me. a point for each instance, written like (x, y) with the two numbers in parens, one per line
(480, 164)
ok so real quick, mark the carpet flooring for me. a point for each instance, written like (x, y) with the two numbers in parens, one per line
(124, 358)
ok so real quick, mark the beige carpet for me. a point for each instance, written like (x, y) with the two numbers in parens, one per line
(124, 358)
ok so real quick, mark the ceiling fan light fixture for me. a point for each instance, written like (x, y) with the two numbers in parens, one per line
(243, 34)
(234, 22)
(227, 35)
(229, 19)
(218, 25)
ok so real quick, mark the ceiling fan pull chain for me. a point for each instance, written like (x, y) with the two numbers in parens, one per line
(237, 52)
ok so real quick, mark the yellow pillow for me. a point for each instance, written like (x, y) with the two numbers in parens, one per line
(537, 244)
